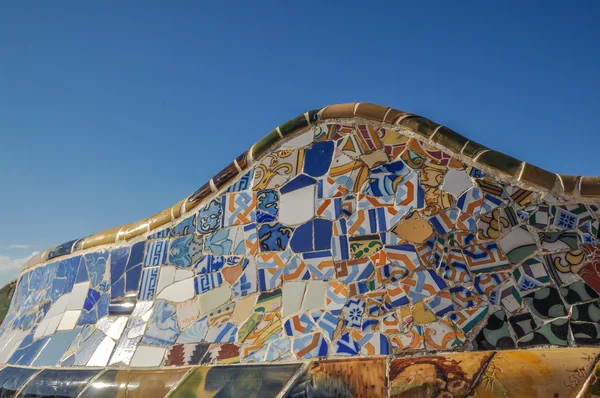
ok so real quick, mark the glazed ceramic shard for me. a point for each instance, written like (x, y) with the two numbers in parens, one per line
(356, 250)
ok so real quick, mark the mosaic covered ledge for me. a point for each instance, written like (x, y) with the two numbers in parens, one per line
(355, 251)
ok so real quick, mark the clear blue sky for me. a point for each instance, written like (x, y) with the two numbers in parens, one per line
(111, 111)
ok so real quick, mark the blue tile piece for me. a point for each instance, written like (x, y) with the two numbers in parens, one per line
(82, 274)
(204, 283)
(395, 167)
(95, 264)
(58, 383)
(185, 250)
(318, 158)
(156, 253)
(23, 347)
(162, 326)
(322, 234)
(274, 236)
(148, 283)
(118, 261)
(33, 351)
(91, 299)
(12, 380)
(184, 227)
(68, 269)
(243, 183)
(210, 263)
(267, 205)
(209, 217)
(164, 233)
(53, 351)
(298, 182)
(302, 239)
(134, 267)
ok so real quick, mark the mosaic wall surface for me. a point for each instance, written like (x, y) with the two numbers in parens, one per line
(351, 239)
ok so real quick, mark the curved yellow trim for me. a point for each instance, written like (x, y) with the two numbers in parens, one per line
(585, 189)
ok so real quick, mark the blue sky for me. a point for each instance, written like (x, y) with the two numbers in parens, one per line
(111, 111)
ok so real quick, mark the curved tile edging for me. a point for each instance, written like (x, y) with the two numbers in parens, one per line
(514, 373)
(500, 165)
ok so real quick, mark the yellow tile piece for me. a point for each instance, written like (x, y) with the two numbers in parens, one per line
(414, 229)
(537, 373)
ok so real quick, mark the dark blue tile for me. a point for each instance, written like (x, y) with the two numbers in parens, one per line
(118, 261)
(302, 239)
(322, 234)
(300, 181)
(92, 298)
(132, 278)
(318, 158)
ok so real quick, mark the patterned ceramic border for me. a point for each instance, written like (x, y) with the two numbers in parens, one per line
(534, 373)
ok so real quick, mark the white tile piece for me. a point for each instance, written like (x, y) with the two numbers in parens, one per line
(518, 237)
(315, 296)
(298, 206)
(41, 328)
(146, 356)
(113, 327)
(179, 291)
(141, 308)
(59, 306)
(214, 298)
(102, 354)
(136, 331)
(456, 182)
(53, 324)
(181, 274)
(292, 294)
(69, 320)
(166, 278)
(78, 295)
(187, 313)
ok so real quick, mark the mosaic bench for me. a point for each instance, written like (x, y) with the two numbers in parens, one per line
(355, 250)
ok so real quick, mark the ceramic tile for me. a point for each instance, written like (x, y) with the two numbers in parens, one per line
(230, 381)
(58, 383)
(456, 374)
(362, 242)
(495, 334)
(134, 384)
(12, 379)
(504, 374)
